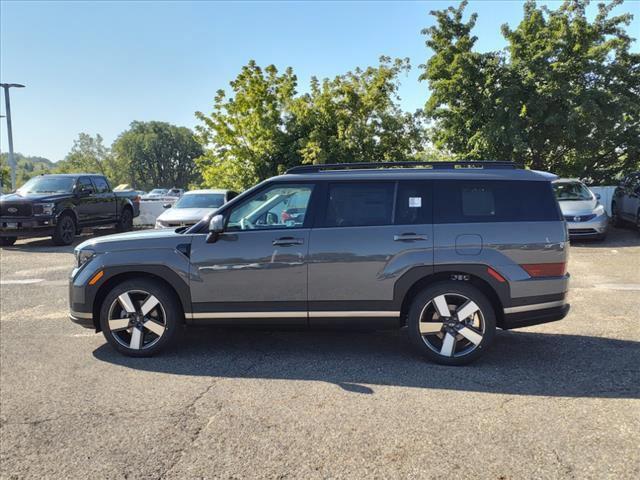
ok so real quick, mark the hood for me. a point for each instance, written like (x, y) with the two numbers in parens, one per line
(185, 214)
(34, 197)
(142, 239)
(578, 207)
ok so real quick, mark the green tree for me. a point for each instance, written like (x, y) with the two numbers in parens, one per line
(265, 127)
(562, 97)
(26, 167)
(157, 154)
(88, 155)
(246, 137)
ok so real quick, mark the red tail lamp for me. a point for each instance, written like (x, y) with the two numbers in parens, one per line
(545, 269)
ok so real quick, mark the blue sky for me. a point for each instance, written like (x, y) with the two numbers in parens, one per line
(95, 67)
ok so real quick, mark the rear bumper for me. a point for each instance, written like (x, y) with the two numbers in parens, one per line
(543, 313)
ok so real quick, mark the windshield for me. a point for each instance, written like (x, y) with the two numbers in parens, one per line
(568, 191)
(48, 185)
(158, 191)
(200, 200)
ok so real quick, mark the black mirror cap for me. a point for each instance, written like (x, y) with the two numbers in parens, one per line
(166, 205)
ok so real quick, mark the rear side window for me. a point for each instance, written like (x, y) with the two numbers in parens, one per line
(84, 183)
(494, 201)
(359, 204)
(101, 185)
(413, 204)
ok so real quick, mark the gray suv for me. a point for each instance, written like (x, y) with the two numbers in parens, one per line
(449, 250)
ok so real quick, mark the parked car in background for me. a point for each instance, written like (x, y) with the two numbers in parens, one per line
(62, 205)
(586, 217)
(451, 252)
(156, 194)
(192, 207)
(625, 206)
(175, 192)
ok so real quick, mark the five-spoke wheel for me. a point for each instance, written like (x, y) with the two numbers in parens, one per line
(451, 323)
(139, 317)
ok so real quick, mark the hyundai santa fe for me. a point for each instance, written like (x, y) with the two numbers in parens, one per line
(451, 251)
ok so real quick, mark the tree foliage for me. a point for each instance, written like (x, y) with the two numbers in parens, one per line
(157, 154)
(562, 97)
(88, 155)
(26, 167)
(266, 127)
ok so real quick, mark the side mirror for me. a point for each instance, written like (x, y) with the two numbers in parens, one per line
(597, 196)
(84, 192)
(216, 227)
(166, 205)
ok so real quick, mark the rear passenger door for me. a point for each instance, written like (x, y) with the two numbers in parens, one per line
(366, 235)
(105, 201)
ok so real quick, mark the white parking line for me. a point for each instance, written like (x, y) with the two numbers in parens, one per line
(619, 286)
(24, 281)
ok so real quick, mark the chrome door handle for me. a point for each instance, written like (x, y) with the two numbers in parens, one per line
(409, 237)
(288, 241)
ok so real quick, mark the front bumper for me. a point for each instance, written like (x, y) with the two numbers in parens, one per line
(26, 227)
(594, 228)
(83, 319)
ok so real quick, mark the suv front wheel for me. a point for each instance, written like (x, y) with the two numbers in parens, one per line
(451, 323)
(140, 317)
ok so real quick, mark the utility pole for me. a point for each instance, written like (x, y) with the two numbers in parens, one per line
(7, 102)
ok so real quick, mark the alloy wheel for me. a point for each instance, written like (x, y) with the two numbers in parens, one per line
(137, 320)
(67, 230)
(452, 325)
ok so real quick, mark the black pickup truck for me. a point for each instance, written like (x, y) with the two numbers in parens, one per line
(62, 205)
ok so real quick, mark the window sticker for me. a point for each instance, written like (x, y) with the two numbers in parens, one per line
(415, 202)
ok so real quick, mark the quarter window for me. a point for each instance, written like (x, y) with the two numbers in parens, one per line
(359, 204)
(279, 206)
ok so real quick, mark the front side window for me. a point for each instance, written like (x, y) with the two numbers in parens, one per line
(279, 206)
(359, 204)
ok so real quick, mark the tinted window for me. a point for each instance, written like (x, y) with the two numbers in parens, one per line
(359, 204)
(413, 205)
(494, 201)
(101, 185)
(85, 183)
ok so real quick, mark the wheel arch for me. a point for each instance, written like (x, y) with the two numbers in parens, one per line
(472, 275)
(118, 278)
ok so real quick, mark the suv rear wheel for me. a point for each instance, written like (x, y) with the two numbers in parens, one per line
(140, 317)
(451, 323)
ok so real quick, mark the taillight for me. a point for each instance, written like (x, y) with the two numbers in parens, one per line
(545, 269)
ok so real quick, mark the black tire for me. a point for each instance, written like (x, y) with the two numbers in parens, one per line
(425, 304)
(168, 315)
(615, 219)
(65, 231)
(126, 220)
(7, 241)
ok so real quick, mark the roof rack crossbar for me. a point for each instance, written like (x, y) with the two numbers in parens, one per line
(375, 165)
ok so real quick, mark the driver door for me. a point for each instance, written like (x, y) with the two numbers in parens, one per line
(257, 268)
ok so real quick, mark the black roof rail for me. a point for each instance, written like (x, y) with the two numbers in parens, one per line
(428, 165)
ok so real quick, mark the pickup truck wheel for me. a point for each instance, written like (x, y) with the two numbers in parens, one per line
(126, 221)
(451, 323)
(7, 241)
(140, 317)
(65, 230)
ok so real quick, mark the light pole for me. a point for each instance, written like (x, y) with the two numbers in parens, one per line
(7, 102)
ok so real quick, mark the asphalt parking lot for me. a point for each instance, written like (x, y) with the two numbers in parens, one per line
(560, 400)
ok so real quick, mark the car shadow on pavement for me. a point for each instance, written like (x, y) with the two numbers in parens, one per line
(519, 363)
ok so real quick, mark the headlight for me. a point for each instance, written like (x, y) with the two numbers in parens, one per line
(43, 208)
(599, 210)
(83, 256)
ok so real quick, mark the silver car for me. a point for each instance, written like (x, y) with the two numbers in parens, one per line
(192, 207)
(586, 217)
